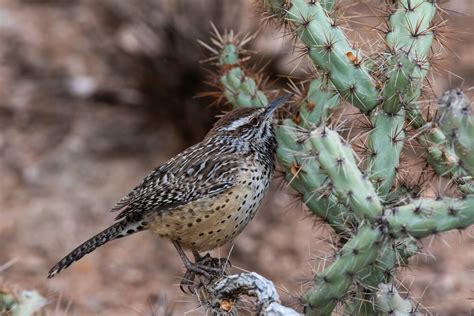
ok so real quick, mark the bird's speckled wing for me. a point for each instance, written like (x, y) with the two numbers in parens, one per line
(204, 169)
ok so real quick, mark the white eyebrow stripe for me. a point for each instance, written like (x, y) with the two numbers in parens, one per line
(236, 124)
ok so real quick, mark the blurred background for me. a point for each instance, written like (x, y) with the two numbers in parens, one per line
(95, 94)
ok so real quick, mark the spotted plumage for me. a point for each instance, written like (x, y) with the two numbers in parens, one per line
(205, 196)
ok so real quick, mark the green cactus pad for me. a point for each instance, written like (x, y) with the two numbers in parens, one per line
(385, 143)
(351, 186)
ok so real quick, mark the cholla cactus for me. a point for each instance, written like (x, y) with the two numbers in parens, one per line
(389, 301)
(25, 303)
(366, 202)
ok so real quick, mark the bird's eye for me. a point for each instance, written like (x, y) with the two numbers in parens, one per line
(254, 121)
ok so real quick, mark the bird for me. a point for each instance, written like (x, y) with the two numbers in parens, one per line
(203, 197)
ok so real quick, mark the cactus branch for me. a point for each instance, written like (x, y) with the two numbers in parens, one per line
(351, 186)
(426, 217)
(328, 48)
(456, 120)
(305, 175)
(333, 283)
(410, 31)
(385, 143)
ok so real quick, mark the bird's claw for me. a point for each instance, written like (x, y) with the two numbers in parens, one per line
(205, 267)
(187, 282)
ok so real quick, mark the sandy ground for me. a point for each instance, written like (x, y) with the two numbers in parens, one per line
(67, 157)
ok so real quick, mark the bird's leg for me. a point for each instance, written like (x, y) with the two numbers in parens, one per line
(198, 268)
(191, 270)
(197, 256)
(187, 263)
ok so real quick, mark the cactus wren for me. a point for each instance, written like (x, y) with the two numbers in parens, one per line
(203, 197)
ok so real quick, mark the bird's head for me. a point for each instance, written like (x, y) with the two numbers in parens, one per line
(252, 124)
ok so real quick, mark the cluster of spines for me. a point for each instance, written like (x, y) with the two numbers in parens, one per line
(440, 156)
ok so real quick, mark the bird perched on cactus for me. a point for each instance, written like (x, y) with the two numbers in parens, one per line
(203, 197)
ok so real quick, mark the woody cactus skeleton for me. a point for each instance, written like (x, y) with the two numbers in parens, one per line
(378, 221)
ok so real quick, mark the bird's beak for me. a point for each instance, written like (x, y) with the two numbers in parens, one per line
(275, 104)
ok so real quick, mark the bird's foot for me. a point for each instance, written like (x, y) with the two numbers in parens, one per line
(215, 264)
(187, 282)
(206, 267)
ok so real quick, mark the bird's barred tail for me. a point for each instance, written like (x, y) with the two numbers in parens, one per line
(127, 226)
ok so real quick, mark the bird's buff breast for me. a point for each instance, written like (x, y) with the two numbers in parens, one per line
(208, 223)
